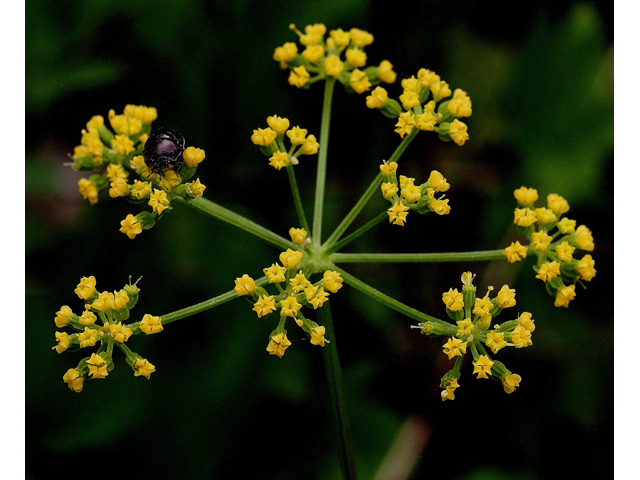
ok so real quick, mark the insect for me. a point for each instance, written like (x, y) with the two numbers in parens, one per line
(163, 149)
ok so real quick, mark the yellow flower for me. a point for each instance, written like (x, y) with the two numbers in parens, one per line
(584, 238)
(289, 307)
(140, 189)
(548, 270)
(340, 38)
(196, 189)
(313, 53)
(453, 300)
(465, 327)
(285, 53)
(333, 65)
(145, 114)
(506, 297)
(564, 296)
(151, 324)
(438, 182)
(63, 315)
(265, 305)
(510, 381)
(458, 132)
(566, 226)
(122, 144)
(405, 124)
(245, 285)
(313, 34)
(440, 90)
(278, 124)
(299, 76)
(409, 99)
(525, 196)
(317, 336)
(521, 337)
(158, 201)
(87, 318)
(299, 282)
(356, 57)
(298, 235)
(388, 189)
(310, 146)
(86, 287)
(385, 72)
(143, 368)
(119, 332)
(263, 136)
(483, 366)
(388, 168)
(88, 190)
(279, 160)
(291, 258)
(565, 252)
(275, 273)
(524, 217)
(360, 38)
(332, 281)
(540, 240)
(398, 214)
(193, 156)
(526, 321)
(455, 348)
(74, 379)
(545, 216)
(97, 366)
(63, 342)
(359, 81)
(119, 188)
(495, 341)
(449, 389)
(557, 204)
(460, 104)
(378, 98)
(515, 252)
(278, 344)
(297, 135)
(316, 296)
(585, 268)
(427, 77)
(88, 337)
(131, 226)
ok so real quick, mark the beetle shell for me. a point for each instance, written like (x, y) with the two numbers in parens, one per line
(163, 149)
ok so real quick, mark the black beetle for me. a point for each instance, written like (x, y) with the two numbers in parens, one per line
(163, 149)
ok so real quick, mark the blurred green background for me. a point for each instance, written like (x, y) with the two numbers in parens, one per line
(541, 80)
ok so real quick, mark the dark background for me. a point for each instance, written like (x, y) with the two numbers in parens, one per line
(541, 81)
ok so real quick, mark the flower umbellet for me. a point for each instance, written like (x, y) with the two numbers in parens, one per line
(557, 244)
(115, 156)
(102, 323)
(296, 288)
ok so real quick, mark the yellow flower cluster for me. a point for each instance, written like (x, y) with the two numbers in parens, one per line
(475, 330)
(405, 195)
(341, 56)
(295, 291)
(555, 241)
(423, 106)
(271, 142)
(115, 154)
(102, 323)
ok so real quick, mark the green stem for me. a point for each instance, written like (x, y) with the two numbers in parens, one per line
(371, 190)
(206, 305)
(214, 210)
(296, 198)
(336, 390)
(363, 229)
(386, 300)
(418, 257)
(322, 161)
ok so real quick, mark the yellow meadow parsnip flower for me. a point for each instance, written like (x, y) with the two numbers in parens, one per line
(278, 344)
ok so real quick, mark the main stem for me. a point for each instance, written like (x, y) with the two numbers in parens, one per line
(336, 390)
(479, 256)
(322, 161)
